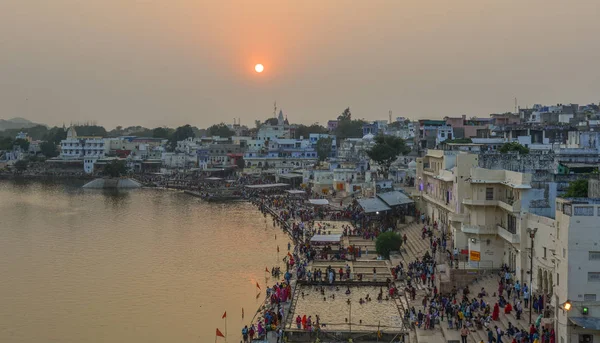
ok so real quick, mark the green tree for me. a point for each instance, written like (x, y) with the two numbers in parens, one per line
(514, 146)
(21, 166)
(115, 168)
(240, 163)
(349, 129)
(161, 132)
(91, 130)
(386, 150)
(49, 149)
(55, 135)
(272, 121)
(22, 143)
(181, 133)
(577, 189)
(388, 242)
(346, 115)
(6, 143)
(323, 148)
(220, 130)
(305, 131)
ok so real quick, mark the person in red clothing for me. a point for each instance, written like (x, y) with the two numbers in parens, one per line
(496, 312)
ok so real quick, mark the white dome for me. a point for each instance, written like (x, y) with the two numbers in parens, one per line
(412, 165)
(368, 137)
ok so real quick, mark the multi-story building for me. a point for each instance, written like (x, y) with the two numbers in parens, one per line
(88, 149)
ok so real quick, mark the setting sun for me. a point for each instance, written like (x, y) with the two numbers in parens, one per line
(259, 68)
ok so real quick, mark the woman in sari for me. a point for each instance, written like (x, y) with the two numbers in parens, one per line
(496, 312)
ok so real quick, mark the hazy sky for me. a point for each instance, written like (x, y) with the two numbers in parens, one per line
(172, 62)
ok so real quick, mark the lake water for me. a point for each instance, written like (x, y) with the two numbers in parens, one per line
(132, 266)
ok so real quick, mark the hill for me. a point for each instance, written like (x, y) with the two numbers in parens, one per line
(15, 123)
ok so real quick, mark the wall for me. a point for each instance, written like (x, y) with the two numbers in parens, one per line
(491, 249)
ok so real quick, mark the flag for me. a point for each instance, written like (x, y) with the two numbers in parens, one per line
(278, 248)
(258, 295)
(266, 269)
(242, 313)
(219, 333)
(224, 315)
(257, 286)
(290, 255)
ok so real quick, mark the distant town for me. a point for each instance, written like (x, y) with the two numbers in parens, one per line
(517, 192)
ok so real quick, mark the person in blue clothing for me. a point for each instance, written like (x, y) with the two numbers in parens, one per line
(490, 336)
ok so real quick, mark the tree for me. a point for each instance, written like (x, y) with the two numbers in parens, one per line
(388, 242)
(220, 130)
(305, 131)
(21, 166)
(514, 146)
(323, 148)
(345, 116)
(181, 133)
(115, 168)
(91, 130)
(272, 121)
(161, 132)
(55, 135)
(386, 150)
(6, 143)
(577, 189)
(240, 163)
(22, 143)
(49, 149)
(349, 129)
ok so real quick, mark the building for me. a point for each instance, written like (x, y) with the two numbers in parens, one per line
(88, 149)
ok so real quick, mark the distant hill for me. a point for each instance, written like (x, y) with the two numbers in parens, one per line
(15, 123)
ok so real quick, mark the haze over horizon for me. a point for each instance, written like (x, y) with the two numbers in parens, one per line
(168, 63)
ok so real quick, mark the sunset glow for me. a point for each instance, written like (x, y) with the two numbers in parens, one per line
(259, 68)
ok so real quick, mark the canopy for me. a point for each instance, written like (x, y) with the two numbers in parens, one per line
(326, 239)
(213, 178)
(319, 201)
(372, 205)
(395, 198)
(295, 191)
(290, 176)
(589, 323)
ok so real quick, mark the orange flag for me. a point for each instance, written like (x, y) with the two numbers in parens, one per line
(257, 285)
(242, 313)
(266, 269)
(224, 315)
(278, 248)
(290, 255)
(220, 334)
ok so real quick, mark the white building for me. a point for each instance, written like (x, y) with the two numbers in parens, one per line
(88, 149)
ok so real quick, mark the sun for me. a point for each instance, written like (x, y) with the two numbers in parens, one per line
(259, 68)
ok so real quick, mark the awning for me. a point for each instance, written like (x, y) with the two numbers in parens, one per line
(295, 191)
(372, 205)
(589, 323)
(319, 201)
(327, 239)
(290, 176)
(395, 198)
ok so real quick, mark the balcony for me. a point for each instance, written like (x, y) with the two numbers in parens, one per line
(508, 235)
(457, 217)
(478, 229)
(472, 202)
(439, 202)
(510, 205)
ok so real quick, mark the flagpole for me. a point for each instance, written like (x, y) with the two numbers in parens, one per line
(225, 328)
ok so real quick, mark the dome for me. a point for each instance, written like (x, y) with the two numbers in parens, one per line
(71, 133)
(412, 165)
(368, 137)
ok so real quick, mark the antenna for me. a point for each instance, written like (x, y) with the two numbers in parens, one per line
(390, 116)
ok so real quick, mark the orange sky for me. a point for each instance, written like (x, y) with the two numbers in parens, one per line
(153, 63)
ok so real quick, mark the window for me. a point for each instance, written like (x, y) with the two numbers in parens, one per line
(512, 224)
(589, 297)
(489, 193)
(593, 276)
(564, 252)
(557, 279)
(544, 252)
(594, 255)
(584, 211)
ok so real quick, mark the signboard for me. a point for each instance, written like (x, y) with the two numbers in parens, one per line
(475, 256)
